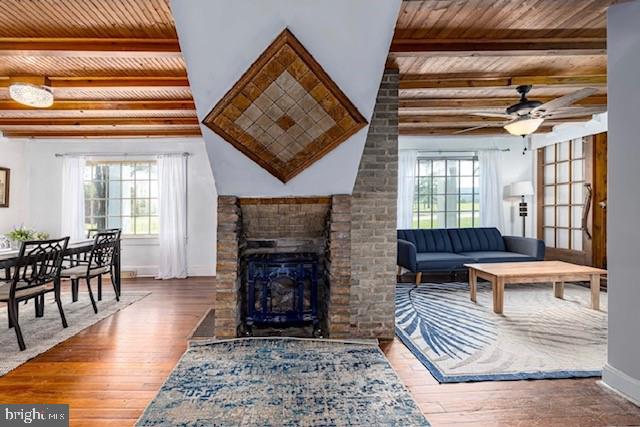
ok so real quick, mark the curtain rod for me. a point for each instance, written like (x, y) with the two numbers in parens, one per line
(463, 151)
(119, 154)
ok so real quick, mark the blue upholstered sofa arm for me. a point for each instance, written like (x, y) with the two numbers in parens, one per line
(525, 246)
(407, 255)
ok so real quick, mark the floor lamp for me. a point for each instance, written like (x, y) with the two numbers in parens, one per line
(522, 189)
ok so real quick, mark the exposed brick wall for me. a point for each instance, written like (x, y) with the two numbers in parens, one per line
(278, 220)
(373, 227)
(227, 304)
(338, 263)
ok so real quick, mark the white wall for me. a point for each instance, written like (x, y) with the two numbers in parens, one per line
(44, 174)
(350, 39)
(622, 371)
(569, 131)
(515, 167)
(12, 156)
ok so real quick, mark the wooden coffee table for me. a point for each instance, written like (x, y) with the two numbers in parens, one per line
(556, 272)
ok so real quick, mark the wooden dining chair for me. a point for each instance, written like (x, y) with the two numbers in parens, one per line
(101, 260)
(36, 273)
(91, 233)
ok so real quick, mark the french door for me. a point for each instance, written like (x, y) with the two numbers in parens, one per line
(571, 196)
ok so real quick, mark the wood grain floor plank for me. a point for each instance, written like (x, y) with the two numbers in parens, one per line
(109, 372)
(563, 402)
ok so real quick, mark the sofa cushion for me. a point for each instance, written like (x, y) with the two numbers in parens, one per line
(498, 256)
(427, 240)
(476, 239)
(441, 261)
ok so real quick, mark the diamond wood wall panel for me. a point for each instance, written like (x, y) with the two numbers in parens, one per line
(285, 112)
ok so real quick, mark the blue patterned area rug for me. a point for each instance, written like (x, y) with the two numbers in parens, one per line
(538, 336)
(283, 382)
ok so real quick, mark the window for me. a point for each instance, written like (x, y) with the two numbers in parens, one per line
(563, 194)
(122, 195)
(447, 193)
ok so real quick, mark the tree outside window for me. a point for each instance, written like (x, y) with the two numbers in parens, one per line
(447, 193)
(120, 194)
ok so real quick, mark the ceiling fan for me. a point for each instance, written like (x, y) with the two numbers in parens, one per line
(526, 116)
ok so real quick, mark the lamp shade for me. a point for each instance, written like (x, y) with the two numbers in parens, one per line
(521, 188)
(523, 126)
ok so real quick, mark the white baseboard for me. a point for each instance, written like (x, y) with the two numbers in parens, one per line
(202, 270)
(628, 387)
(142, 270)
(152, 270)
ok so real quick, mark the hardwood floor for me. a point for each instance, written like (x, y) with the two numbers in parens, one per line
(548, 403)
(110, 371)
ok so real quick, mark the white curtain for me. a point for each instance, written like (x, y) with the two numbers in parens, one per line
(172, 183)
(406, 187)
(72, 220)
(491, 202)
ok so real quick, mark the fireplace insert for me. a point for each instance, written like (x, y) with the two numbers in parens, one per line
(282, 291)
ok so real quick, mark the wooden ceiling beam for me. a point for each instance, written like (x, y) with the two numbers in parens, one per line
(408, 82)
(489, 124)
(499, 47)
(87, 83)
(89, 47)
(100, 121)
(125, 133)
(80, 105)
(473, 120)
(444, 120)
(425, 131)
(427, 103)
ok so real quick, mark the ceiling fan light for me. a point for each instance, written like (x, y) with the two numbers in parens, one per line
(31, 95)
(524, 126)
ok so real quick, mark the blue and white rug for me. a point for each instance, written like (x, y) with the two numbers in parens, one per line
(537, 337)
(283, 382)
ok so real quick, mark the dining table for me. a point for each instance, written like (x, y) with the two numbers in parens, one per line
(9, 257)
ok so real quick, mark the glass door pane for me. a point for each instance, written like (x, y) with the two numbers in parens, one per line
(563, 151)
(563, 239)
(550, 154)
(576, 240)
(563, 172)
(562, 216)
(549, 195)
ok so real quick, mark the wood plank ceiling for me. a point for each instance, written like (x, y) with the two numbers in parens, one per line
(116, 68)
(457, 58)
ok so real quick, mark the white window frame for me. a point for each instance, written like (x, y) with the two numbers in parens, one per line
(447, 193)
(151, 198)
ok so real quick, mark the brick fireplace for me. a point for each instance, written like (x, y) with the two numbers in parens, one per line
(318, 225)
(353, 235)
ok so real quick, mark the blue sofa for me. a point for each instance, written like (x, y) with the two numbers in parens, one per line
(447, 250)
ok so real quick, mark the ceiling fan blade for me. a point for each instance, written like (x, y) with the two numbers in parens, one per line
(566, 100)
(576, 113)
(488, 114)
(473, 128)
